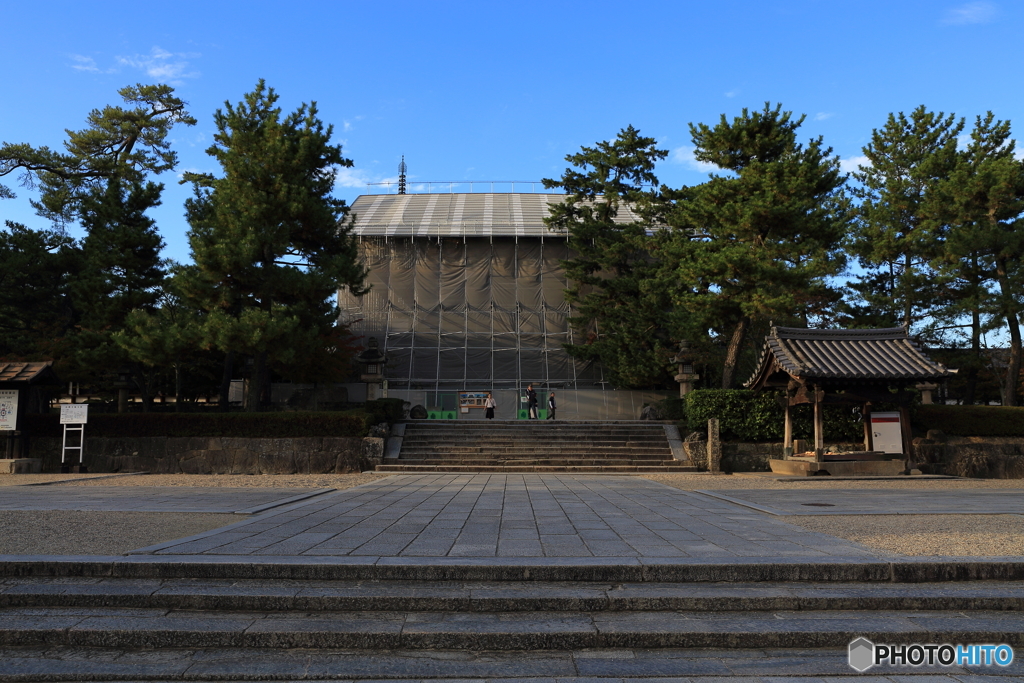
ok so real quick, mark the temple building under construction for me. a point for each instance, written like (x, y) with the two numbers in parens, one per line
(468, 295)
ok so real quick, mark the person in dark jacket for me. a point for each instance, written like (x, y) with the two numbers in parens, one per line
(531, 402)
(551, 406)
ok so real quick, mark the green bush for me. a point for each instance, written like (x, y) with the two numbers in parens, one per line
(672, 408)
(245, 425)
(386, 410)
(756, 416)
(971, 420)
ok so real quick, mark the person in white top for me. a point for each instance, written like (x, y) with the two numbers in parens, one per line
(489, 406)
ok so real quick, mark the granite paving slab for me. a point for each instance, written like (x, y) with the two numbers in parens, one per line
(874, 501)
(514, 516)
(152, 498)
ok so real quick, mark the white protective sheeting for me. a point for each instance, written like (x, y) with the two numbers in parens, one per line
(468, 312)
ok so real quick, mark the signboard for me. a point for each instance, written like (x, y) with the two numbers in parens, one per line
(74, 413)
(8, 410)
(886, 432)
(472, 399)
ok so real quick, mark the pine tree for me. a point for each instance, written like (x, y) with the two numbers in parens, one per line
(269, 246)
(892, 240)
(122, 143)
(760, 241)
(37, 268)
(620, 311)
(121, 272)
(979, 207)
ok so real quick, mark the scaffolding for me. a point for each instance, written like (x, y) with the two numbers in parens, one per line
(468, 293)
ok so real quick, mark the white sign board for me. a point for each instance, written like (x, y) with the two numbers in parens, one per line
(8, 410)
(74, 413)
(886, 432)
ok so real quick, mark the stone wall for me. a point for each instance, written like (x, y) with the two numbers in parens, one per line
(745, 457)
(990, 457)
(220, 455)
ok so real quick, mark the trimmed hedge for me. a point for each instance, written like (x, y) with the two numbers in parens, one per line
(971, 420)
(386, 410)
(243, 425)
(755, 416)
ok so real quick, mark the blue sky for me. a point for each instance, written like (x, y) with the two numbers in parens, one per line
(503, 91)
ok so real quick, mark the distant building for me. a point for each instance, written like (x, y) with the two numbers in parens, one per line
(468, 295)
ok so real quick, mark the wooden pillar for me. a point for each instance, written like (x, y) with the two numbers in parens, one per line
(819, 427)
(865, 412)
(906, 435)
(787, 435)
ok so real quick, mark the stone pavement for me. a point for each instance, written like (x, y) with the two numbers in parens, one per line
(515, 516)
(841, 501)
(151, 498)
(250, 601)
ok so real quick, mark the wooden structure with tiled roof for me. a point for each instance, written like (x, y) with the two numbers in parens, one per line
(842, 366)
(28, 380)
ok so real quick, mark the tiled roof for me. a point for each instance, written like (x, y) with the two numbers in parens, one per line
(481, 214)
(26, 372)
(883, 354)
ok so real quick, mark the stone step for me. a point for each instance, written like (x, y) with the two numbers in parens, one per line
(619, 665)
(504, 596)
(539, 438)
(535, 451)
(578, 461)
(833, 569)
(659, 454)
(490, 467)
(550, 630)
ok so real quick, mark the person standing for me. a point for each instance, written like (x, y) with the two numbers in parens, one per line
(551, 406)
(531, 402)
(489, 406)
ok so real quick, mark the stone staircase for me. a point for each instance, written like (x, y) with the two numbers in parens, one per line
(289, 621)
(536, 446)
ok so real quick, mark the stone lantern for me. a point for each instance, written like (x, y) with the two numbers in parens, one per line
(372, 361)
(685, 375)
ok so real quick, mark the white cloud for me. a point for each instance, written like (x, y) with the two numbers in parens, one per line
(685, 156)
(822, 115)
(971, 13)
(854, 164)
(357, 177)
(84, 64)
(163, 66)
(346, 126)
(732, 93)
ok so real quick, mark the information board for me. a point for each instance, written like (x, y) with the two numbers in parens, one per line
(472, 399)
(74, 413)
(887, 432)
(8, 410)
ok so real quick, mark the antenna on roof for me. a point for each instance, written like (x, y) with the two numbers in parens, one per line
(401, 176)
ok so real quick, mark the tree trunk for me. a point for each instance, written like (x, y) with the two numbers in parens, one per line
(1013, 367)
(177, 387)
(1013, 325)
(908, 309)
(225, 381)
(972, 371)
(732, 352)
(254, 399)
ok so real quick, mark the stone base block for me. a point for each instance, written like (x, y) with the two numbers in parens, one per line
(21, 465)
(847, 468)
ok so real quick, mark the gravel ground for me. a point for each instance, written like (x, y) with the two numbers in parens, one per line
(116, 532)
(698, 481)
(956, 535)
(66, 532)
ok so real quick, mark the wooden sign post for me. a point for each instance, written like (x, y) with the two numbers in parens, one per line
(74, 417)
